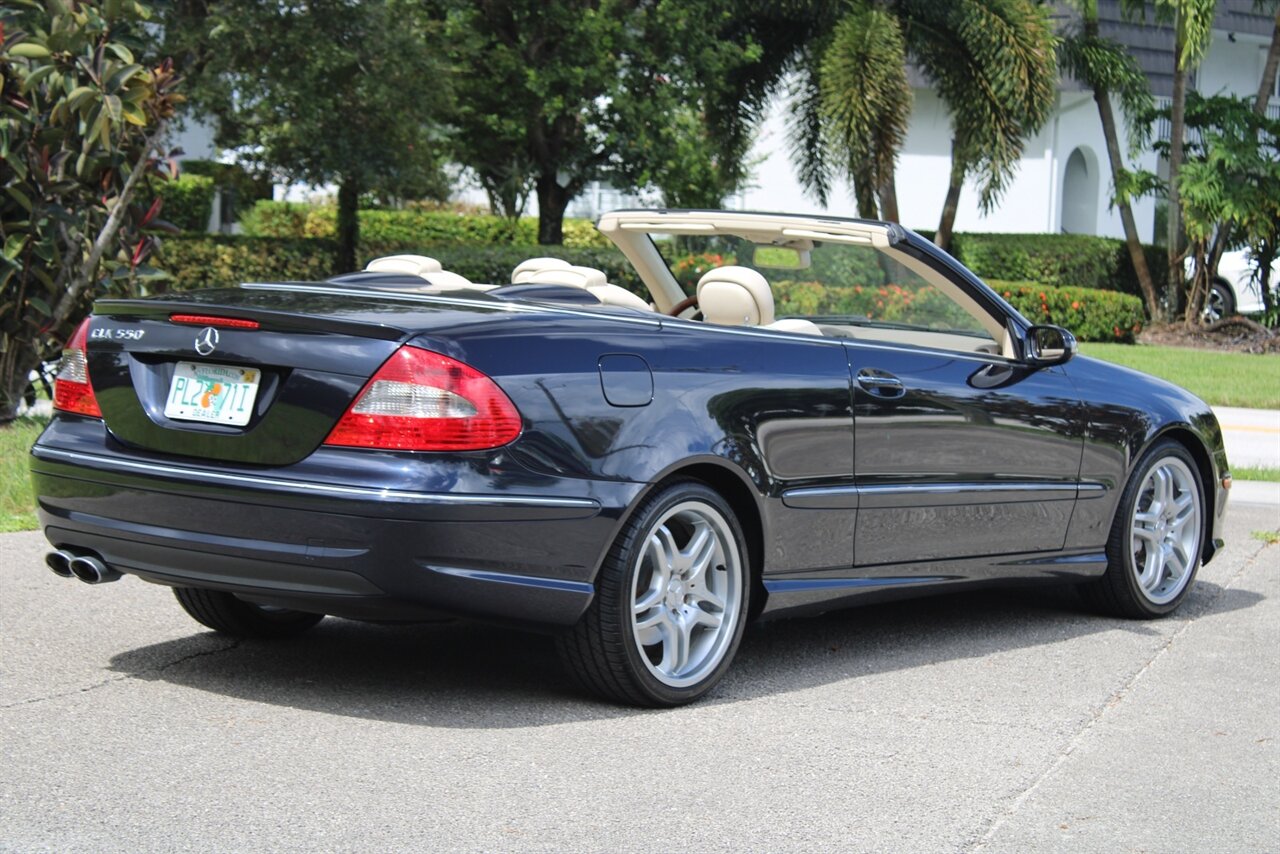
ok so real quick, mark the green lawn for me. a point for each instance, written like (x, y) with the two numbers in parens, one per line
(1220, 379)
(1256, 473)
(17, 507)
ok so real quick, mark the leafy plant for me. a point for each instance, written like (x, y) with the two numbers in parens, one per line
(188, 201)
(82, 116)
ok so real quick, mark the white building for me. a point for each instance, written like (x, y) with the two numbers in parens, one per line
(1064, 181)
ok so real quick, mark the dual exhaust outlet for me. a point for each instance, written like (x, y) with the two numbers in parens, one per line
(87, 566)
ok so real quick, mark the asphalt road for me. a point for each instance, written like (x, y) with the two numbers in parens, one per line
(993, 722)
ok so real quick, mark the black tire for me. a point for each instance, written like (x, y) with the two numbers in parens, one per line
(1220, 302)
(228, 615)
(1122, 591)
(605, 651)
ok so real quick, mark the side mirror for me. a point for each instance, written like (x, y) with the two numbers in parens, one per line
(1048, 345)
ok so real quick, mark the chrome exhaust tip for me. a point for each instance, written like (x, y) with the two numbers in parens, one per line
(60, 562)
(92, 570)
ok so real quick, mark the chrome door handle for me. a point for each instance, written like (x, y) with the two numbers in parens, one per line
(881, 383)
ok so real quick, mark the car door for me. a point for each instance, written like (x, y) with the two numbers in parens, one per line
(961, 448)
(960, 455)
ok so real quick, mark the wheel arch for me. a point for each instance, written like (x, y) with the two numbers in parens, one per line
(732, 484)
(1185, 436)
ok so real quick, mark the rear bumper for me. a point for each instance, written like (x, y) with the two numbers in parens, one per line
(386, 547)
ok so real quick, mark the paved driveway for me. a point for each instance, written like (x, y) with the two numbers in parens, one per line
(996, 721)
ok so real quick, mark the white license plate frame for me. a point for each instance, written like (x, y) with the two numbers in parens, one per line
(212, 394)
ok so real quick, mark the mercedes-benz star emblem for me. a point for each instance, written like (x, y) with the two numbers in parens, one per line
(207, 341)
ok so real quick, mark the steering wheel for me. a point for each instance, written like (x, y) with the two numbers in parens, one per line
(682, 305)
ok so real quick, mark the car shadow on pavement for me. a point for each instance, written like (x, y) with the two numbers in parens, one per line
(475, 676)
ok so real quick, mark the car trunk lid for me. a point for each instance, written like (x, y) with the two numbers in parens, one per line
(306, 359)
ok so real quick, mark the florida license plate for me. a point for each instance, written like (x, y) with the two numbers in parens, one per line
(220, 394)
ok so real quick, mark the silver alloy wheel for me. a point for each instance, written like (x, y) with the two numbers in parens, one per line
(1215, 304)
(686, 594)
(1165, 532)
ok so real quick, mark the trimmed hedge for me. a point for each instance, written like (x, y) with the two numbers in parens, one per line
(1092, 314)
(188, 201)
(410, 227)
(207, 261)
(216, 261)
(1078, 260)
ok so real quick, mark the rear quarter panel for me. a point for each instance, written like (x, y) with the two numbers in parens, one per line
(774, 410)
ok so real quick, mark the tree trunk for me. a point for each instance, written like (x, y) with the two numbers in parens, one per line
(865, 195)
(952, 203)
(1134, 245)
(889, 198)
(348, 224)
(1173, 236)
(1268, 83)
(552, 200)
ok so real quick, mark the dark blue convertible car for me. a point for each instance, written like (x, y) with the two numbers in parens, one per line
(839, 412)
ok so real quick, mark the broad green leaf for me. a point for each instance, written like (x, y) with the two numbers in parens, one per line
(29, 50)
(41, 306)
(19, 197)
(121, 51)
(117, 80)
(14, 245)
(35, 78)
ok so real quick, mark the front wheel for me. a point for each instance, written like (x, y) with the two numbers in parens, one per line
(671, 602)
(229, 615)
(1220, 302)
(1154, 549)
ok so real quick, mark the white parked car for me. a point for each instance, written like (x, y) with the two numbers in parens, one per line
(1234, 289)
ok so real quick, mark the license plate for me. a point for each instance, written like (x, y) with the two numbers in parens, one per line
(220, 394)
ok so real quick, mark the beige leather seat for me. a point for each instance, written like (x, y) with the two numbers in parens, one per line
(524, 271)
(591, 280)
(740, 296)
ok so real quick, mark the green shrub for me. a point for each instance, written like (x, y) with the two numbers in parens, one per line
(411, 228)
(1092, 314)
(274, 219)
(212, 261)
(1078, 260)
(222, 261)
(188, 201)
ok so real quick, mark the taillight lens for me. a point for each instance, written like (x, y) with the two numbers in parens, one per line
(72, 391)
(424, 401)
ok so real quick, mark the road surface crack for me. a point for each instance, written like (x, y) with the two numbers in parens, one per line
(110, 680)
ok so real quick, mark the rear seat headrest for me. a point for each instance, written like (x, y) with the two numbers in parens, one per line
(524, 271)
(414, 265)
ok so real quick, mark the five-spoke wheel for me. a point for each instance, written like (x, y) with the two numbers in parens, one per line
(1157, 537)
(670, 602)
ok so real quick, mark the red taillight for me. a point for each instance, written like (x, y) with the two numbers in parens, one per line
(423, 401)
(72, 391)
(213, 320)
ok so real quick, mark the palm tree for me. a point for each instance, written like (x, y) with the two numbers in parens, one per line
(992, 63)
(1192, 22)
(1106, 67)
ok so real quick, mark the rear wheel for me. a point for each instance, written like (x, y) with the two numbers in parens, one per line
(229, 615)
(671, 602)
(1154, 549)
